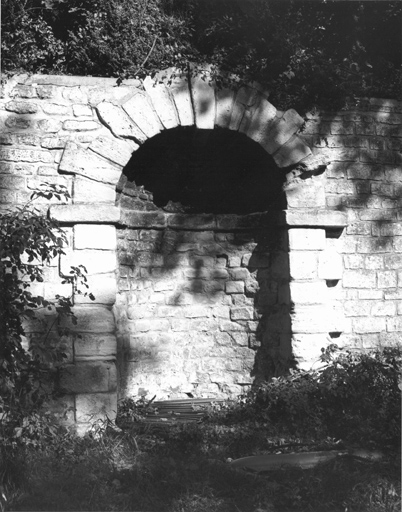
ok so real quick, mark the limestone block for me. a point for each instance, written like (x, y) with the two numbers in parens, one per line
(162, 102)
(96, 213)
(316, 217)
(330, 265)
(78, 160)
(21, 107)
(199, 222)
(261, 122)
(81, 110)
(95, 347)
(115, 95)
(55, 109)
(136, 219)
(74, 125)
(282, 130)
(178, 86)
(48, 125)
(139, 108)
(292, 152)
(94, 406)
(246, 97)
(203, 93)
(234, 287)
(359, 279)
(89, 191)
(89, 236)
(88, 377)
(91, 319)
(26, 155)
(118, 121)
(306, 239)
(306, 348)
(116, 150)
(309, 193)
(303, 265)
(309, 319)
(103, 287)
(245, 313)
(224, 99)
(308, 292)
(95, 261)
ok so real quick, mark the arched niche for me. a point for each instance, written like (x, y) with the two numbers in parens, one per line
(135, 116)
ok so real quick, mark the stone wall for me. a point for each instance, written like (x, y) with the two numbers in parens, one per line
(199, 305)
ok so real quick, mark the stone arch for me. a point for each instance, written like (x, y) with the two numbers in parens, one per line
(131, 115)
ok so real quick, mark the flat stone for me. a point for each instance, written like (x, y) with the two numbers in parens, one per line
(179, 89)
(95, 347)
(306, 239)
(246, 97)
(91, 319)
(139, 108)
(85, 213)
(78, 160)
(26, 155)
(116, 150)
(95, 236)
(316, 217)
(115, 95)
(185, 221)
(74, 125)
(21, 107)
(88, 191)
(330, 265)
(292, 152)
(103, 287)
(71, 81)
(88, 377)
(162, 102)
(308, 193)
(261, 122)
(119, 122)
(282, 130)
(224, 99)
(204, 101)
(307, 292)
(95, 261)
(137, 219)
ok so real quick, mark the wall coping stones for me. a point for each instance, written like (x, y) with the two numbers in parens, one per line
(74, 81)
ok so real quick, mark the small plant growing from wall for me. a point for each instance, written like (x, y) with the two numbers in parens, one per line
(29, 243)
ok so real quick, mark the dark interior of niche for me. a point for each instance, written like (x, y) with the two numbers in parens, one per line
(204, 171)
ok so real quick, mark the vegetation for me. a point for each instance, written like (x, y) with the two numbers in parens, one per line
(185, 467)
(30, 243)
(306, 53)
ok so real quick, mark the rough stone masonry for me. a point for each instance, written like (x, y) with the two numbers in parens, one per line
(207, 303)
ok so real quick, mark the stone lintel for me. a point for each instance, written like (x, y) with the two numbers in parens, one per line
(297, 218)
(316, 218)
(85, 213)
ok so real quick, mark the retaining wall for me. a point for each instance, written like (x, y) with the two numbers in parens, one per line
(333, 274)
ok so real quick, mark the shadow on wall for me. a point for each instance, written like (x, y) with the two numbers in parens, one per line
(206, 282)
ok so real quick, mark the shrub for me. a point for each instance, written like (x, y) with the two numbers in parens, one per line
(355, 397)
(30, 241)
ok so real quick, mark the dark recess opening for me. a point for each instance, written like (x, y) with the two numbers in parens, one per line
(206, 171)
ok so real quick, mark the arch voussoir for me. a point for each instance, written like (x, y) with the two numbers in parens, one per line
(139, 109)
(162, 102)
(119, 122)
